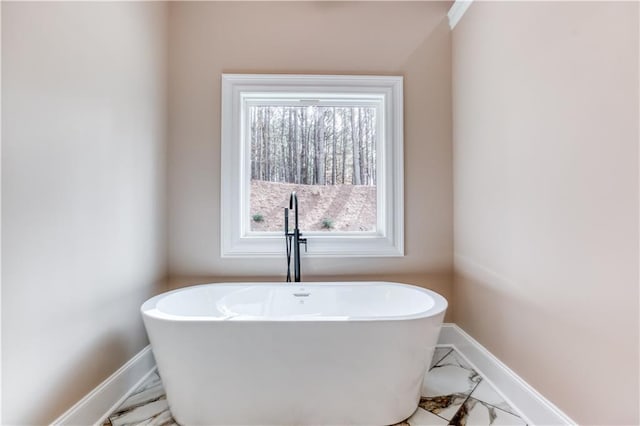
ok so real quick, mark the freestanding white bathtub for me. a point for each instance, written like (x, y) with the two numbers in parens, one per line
(347, 353)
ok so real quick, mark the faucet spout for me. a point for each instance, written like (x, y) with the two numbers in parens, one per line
(293, 205)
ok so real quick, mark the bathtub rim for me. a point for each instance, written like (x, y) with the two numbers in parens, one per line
(440, 304)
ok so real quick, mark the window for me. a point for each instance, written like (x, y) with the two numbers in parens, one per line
(335, 140)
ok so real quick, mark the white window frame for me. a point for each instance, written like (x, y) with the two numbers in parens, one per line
(239, 91)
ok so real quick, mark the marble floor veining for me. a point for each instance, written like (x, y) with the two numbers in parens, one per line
(453, 393)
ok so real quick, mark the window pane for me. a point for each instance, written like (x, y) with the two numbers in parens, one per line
(327, 154)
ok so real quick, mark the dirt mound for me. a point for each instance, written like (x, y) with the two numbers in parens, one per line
(344, 207)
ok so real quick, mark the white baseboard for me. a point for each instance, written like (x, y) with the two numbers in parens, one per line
(94, 408)
(535, 409)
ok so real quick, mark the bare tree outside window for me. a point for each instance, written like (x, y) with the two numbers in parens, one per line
(325, 153)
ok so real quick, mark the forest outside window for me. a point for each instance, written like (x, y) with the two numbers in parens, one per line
(335, 140)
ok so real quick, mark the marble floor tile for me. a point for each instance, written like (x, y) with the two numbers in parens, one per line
(452, 374)
(486, 393)
(424, 418)
(474, 412)
(447, 385)
(151, 390)
(147, 405)
(140, 414)
(163, 418)
(445, 406)
(455, 359)
(438, 354)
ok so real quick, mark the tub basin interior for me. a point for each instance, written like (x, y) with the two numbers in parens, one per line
(293, 302)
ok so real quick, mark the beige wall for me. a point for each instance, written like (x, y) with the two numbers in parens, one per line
(411, 39)
(546, 197)
(83, 229)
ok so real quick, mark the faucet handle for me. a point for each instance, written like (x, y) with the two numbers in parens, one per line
(303, 241)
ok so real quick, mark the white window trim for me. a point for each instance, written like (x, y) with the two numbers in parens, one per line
(236, 238)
